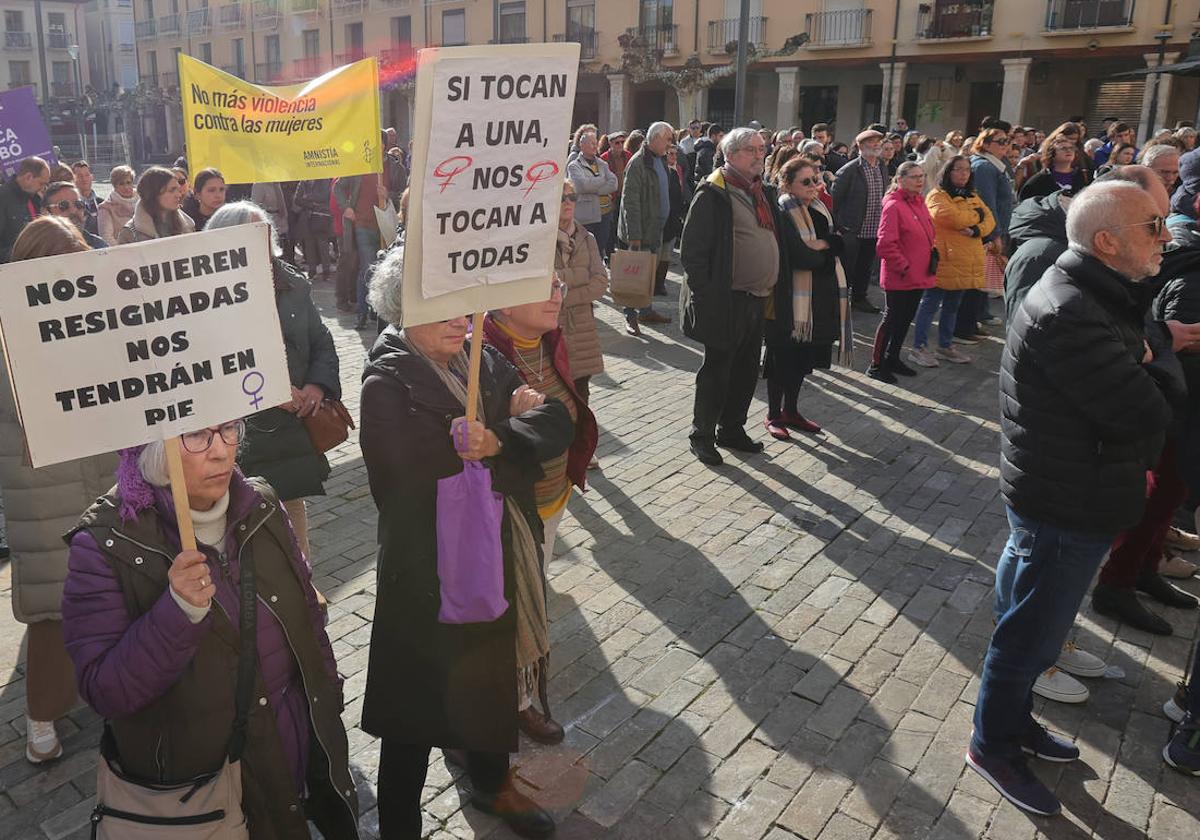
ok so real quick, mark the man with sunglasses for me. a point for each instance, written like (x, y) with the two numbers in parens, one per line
(62, 199)
(1085, 404)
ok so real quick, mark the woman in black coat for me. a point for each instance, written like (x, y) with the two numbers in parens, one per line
(430, 683)
(795, 348)
(277, 447)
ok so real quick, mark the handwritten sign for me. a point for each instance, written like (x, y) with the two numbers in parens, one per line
(119, 347)
(487, 176)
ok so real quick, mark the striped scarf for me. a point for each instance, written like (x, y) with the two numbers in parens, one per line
(802, 281)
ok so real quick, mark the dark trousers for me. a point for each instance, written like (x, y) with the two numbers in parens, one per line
(898, 312)
(970, 309)
(316, 252)
(402, 769)
(726, 380)
(862, 258)
(1137, 551)
(783, 397)
(583, 388)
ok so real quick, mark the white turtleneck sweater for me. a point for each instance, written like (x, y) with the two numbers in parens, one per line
(210, 530)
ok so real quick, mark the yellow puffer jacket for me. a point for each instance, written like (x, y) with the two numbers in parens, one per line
(961, 265)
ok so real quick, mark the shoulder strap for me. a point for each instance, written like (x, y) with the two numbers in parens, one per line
(247, 655)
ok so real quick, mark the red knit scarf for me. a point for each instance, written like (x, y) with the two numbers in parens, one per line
(755, 190)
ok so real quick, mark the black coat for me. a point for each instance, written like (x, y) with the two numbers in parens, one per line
(1038, 231)
(674, 223)
(849, 193)
(14, 214)
(1043, 183)
(430, 683)
(826, 308)
(1179, 300)
(706, 251)
(1082, 419)
(277, 446)
(706, 154)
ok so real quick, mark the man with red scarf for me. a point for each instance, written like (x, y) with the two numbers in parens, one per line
(732, 259)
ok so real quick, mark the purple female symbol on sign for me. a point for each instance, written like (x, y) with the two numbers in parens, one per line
(253, 390)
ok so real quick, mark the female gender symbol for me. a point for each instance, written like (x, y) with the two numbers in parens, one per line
(254, 390)
(448, 169)
(536, 173)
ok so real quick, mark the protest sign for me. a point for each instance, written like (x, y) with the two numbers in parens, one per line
(486, 177)
(325, 128)
(115, 348)
(23, 132)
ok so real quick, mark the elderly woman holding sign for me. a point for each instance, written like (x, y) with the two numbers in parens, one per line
(39, 505)
(210, 666)
(453, 618)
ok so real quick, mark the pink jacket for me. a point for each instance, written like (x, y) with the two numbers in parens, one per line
(906, 237)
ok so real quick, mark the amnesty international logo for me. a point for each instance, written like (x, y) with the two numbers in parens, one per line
(324, 156)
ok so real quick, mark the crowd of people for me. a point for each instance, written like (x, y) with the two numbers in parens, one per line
(1092, 243)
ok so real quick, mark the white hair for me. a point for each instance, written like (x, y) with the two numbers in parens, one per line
(1154, 152)
(387, 283)
(1092, 145)
(658, 128)
(152, 464)
(243, 213)
(736, 140)
(1102, 206)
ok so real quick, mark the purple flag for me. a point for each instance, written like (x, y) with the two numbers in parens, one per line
(23, 132)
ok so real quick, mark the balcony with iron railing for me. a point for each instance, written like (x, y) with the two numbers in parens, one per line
(170, 81)
(20, 83)
(349, 57)
(723, 34)
(268, 72)
(198, 21)
(391, 4)
(662, 37)
(58, 40)
(587, 40)
(306, 68)
(952, 21)
(231, 16)
(148, 80)
(266, 13)
(305, 7)
(238, 70)
(510, 39)
(1073, 16)
(845, 28)
(62, 90)
(18, 40)
(145, 29)
(345, 8)
(169, 24)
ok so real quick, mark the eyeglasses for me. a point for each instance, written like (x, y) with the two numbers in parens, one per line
(1003, 141)
(571, 197)
(232, 434)
(122, 183)
(64, 206)
(1156, 225)
(808, 182)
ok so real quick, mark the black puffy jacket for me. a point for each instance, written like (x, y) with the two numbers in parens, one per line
(1082, 419)
(1038, 230)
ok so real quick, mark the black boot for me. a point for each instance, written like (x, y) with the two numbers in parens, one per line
(660, 279)
(1157, 588)
(1123, 605)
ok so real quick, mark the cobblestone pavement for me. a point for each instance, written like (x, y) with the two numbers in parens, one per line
(786, 646)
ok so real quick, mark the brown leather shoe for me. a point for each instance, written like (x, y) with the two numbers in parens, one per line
(539, 727)
(653, 317)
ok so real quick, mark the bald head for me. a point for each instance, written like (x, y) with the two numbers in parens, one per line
(1121, 224)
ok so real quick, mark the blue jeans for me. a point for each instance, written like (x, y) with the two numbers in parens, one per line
(366, 242)
(949, 301)
(1041, 579)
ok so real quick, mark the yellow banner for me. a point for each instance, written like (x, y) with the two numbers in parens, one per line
(326, 128)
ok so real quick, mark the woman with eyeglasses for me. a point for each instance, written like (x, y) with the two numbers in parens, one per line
(154, 634)
(809, 308)
(157, 212)
(993, 182)
(579, 265)
(117, 210)
(531, 340)
(39, 504)
(430, 682)
(1060, 169)
(207, 195)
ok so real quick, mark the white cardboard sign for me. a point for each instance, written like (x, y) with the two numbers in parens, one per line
(487, 176)
(123, 346)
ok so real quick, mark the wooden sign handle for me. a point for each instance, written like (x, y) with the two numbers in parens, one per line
(183, 510)
(476, 358)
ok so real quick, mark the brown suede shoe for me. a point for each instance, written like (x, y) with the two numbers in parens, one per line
(653, 317)
(539, 727)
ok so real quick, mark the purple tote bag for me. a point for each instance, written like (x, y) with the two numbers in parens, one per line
(470, 557)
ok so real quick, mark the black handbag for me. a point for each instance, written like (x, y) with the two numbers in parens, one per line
(934, 259)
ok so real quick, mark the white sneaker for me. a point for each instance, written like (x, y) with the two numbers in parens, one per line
(41, 741)
(1080, 662)
(921, 356)
(1055, 685)
(952, 354)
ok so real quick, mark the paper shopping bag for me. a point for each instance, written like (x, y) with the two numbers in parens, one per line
(632, 278)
